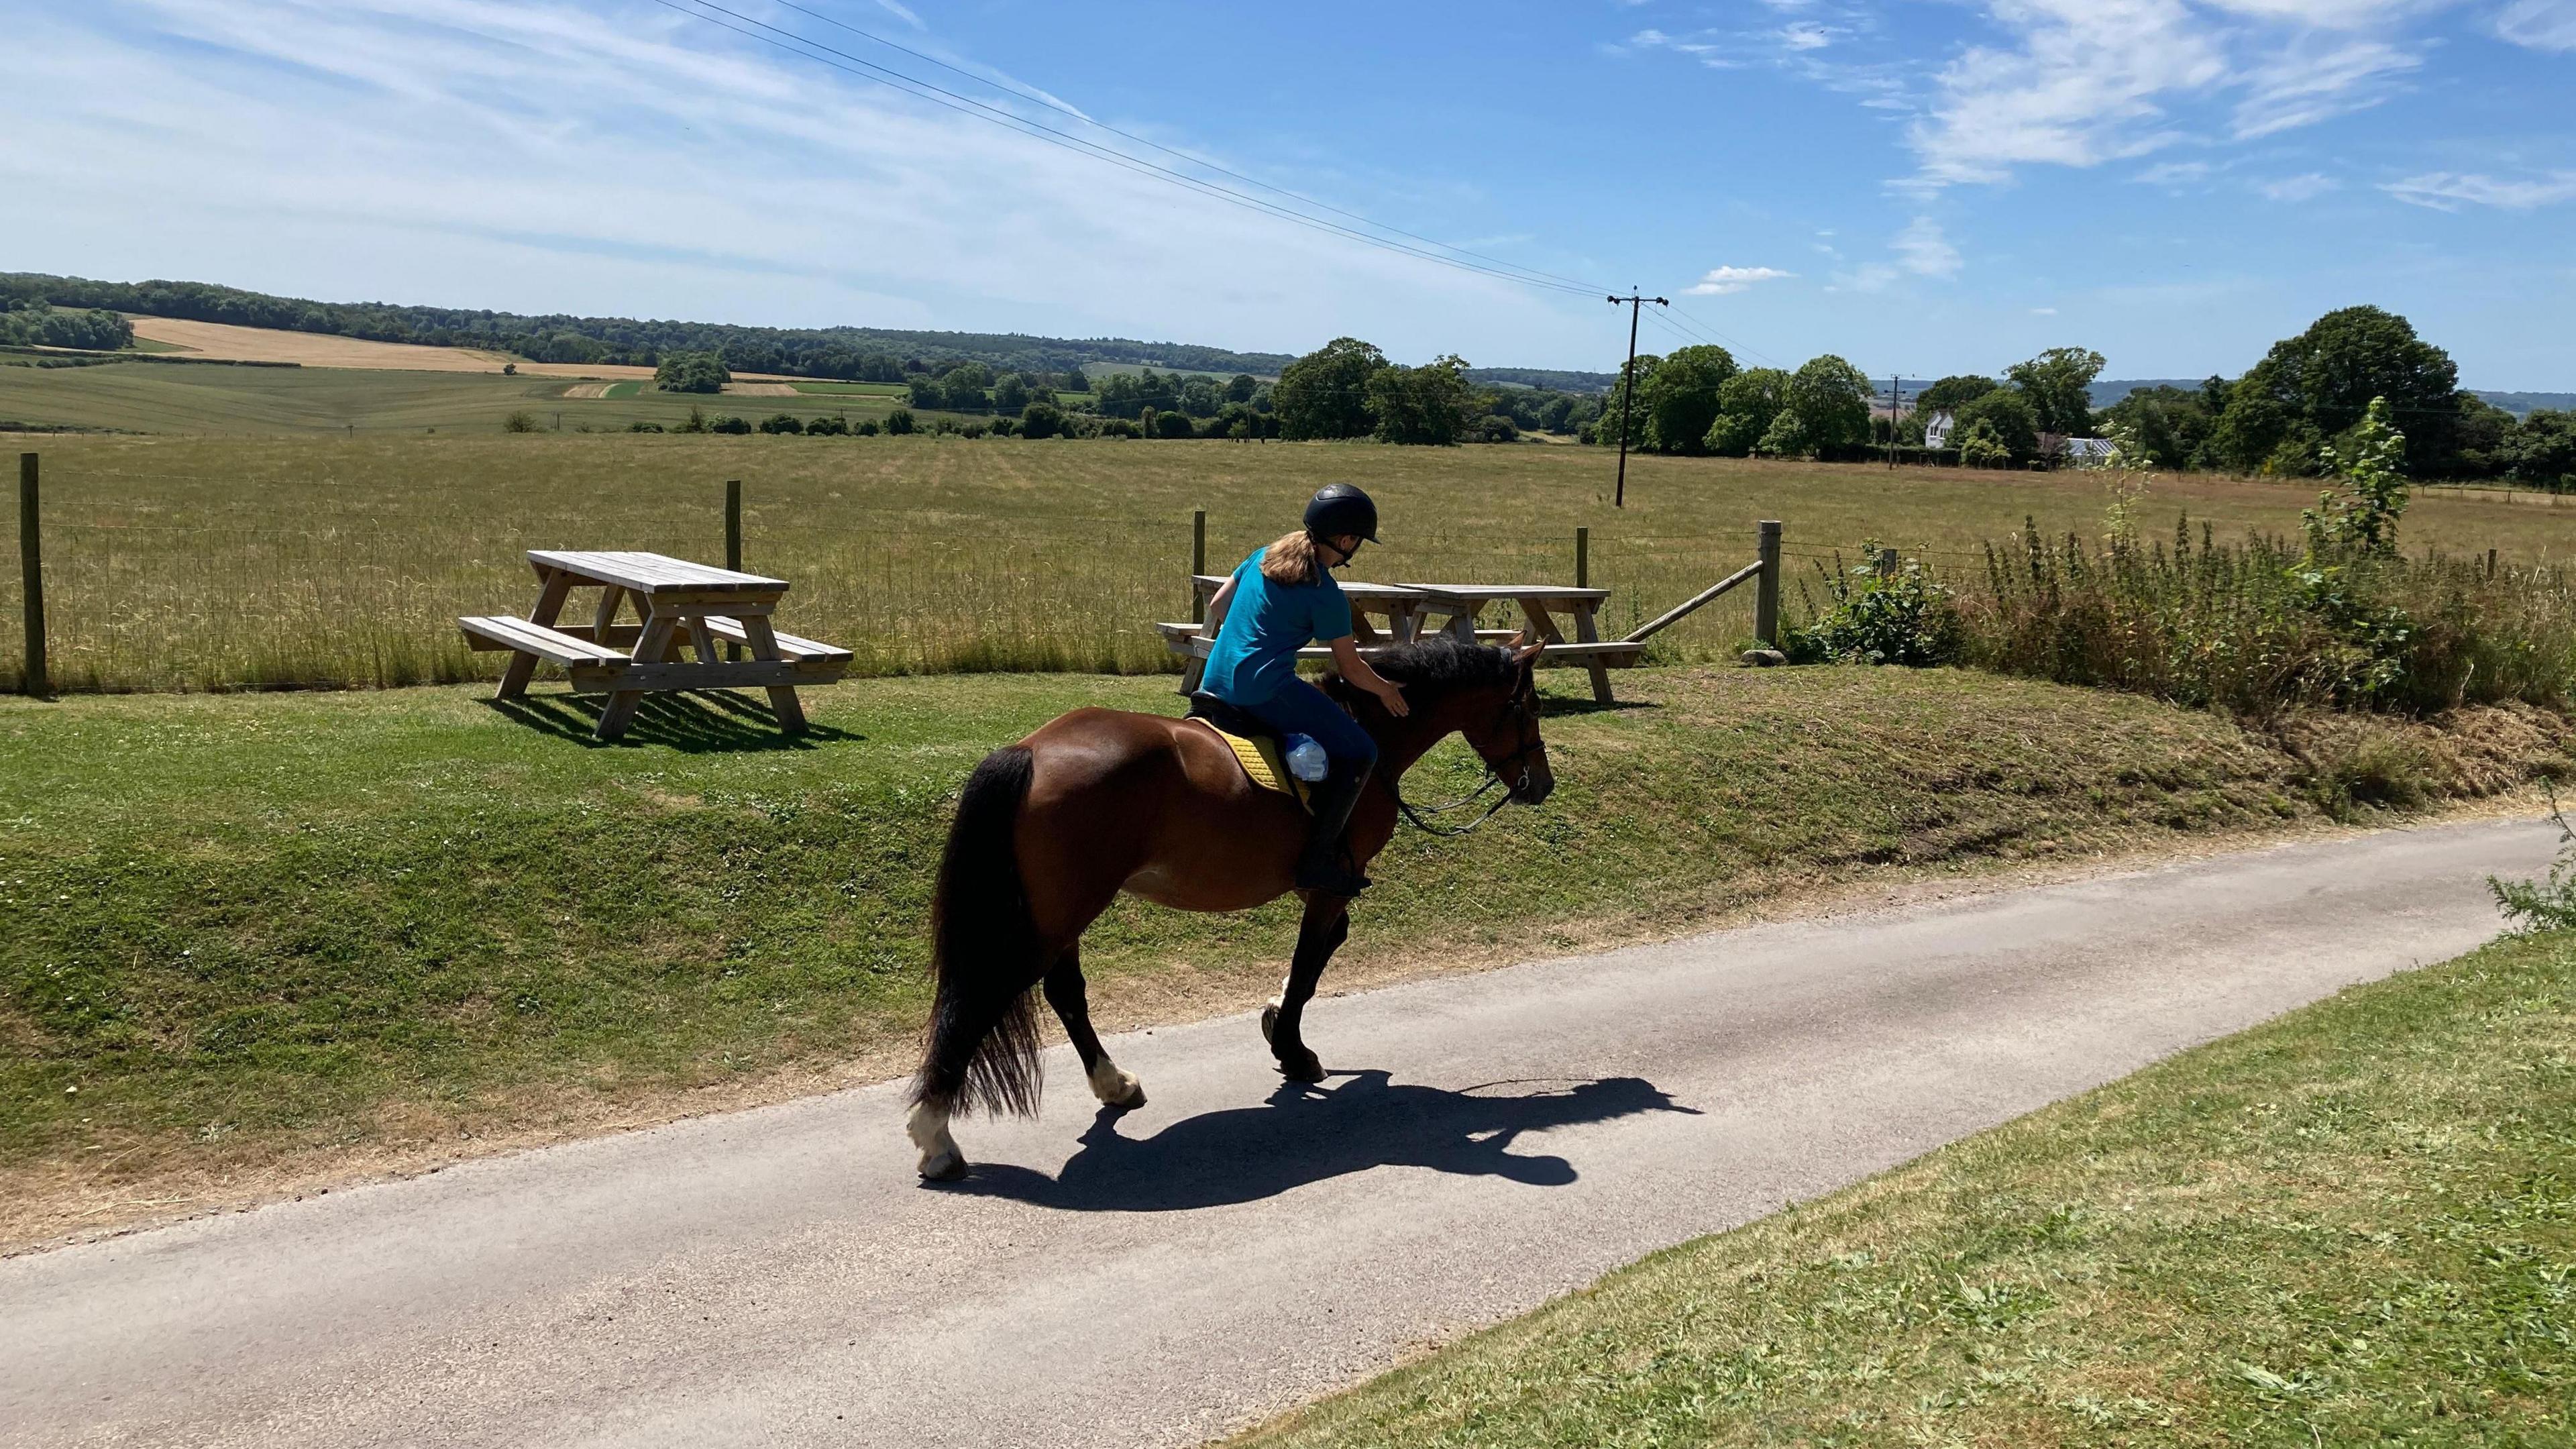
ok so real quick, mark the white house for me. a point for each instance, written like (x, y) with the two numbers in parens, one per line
(1936, 433)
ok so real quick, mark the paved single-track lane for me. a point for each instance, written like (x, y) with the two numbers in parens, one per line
(778, 1277)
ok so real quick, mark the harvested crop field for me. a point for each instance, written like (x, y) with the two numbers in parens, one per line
(313, 349)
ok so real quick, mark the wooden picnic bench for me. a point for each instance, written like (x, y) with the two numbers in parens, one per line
(1409, 609)
(673, 599)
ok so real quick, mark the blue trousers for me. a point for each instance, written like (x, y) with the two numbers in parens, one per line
(1300, 708)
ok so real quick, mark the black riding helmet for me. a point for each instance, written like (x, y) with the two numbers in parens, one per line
(1339, 508)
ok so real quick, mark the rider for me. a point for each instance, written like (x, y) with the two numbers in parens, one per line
(1277, 600)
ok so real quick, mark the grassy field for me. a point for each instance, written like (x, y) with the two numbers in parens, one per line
(2354, 1225)
(272, 401)
(264, 929)
(198, 562)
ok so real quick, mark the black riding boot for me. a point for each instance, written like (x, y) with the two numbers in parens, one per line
(1326, 863)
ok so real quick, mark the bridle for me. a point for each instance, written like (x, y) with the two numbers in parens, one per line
(1516, 712)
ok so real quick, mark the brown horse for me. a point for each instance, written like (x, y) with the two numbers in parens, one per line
(1099, 801)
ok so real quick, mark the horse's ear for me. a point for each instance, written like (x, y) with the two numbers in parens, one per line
(1523, 654)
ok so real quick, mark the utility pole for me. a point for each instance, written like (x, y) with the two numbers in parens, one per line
(1635, 303)
(1895, 410)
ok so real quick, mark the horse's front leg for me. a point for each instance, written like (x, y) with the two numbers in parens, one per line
(1326, 926)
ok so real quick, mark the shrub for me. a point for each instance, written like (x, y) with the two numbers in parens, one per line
(509, 369)
(519, 422)
(866, 428)
(1495, 428)
(1174, 425)
(899, 422)
(972, 430)
(728, 423)
(1980, 448)
(828, 428)
(695, 422)
(782, 423)
(1119, 428)
(643, 427)
(1898, 617)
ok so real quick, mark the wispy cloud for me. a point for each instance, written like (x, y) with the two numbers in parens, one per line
(2453, 190)
(2307, 187)
(2084, 82)
(2173, 173)
(2043, 311)
(1924, 251)
(2539, 24)
(902, 12)
(1720, 281)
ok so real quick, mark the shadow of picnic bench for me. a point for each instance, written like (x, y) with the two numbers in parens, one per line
(697, 721)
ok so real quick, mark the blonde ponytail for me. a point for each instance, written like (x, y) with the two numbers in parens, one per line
(1291, 561)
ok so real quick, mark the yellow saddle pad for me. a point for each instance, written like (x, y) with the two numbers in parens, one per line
(1263, 764)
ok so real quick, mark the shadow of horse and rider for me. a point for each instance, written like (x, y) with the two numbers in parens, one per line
(1308, 1134)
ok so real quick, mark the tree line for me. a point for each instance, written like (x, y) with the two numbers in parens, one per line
(859, 354)
(34, 322)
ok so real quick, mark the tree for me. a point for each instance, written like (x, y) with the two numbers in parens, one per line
(1325, 394)
(2009, 418)
(2542, 451)
(1010, 392)
(697, 372)
(2058, 384)
(2362, 517)
(1627, 402)
(1429, 405)
(1041, 420)
(900, 421)
(1829, 400)
(1174, 424)
(1242, 388)
(2168, 424)
(1979, 447)
(1680, 398)
(1953, 393)
(1200, 397)
(1747, 404)
(2318, 385)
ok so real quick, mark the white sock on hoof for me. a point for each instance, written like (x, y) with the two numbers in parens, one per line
(928, 1128)
(1114, 1087)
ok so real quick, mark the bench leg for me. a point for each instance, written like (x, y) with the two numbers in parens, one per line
(1589, 632)
(550, 601)
(782, 697)
(649, 649)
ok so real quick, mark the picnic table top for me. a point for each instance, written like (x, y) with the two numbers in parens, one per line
(1425, 593)
(653, 573)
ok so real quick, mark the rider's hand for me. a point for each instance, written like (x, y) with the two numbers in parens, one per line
(1391, 694)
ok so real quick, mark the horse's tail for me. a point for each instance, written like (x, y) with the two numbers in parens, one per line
(981, 1048)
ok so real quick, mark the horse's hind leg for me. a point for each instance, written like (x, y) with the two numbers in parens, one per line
(1326, 926)
(1065, 992)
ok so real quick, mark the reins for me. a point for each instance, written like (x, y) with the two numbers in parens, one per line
(1515, 711)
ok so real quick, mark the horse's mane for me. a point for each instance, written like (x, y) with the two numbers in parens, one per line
(1431, 668)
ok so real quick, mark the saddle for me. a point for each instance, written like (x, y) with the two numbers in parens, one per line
(1256, 746)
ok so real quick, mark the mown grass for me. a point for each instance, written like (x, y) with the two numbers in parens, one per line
(2355, 1225)
(247, 927)
(227, 563)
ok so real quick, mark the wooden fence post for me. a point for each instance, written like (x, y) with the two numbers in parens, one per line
(733, 545)
(31, 559)
(1886, 563)
(2491, 565)
(1582, 558)
(1766, 589)
(1198, 563)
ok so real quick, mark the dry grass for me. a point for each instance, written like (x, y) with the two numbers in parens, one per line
(315, 349)
(207, 563)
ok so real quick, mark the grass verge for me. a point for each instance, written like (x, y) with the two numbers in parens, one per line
(259, 937)
(2353, 1225)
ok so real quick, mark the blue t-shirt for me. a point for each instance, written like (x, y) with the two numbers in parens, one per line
(1266, 624)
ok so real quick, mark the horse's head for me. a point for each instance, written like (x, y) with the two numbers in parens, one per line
(1501, 724)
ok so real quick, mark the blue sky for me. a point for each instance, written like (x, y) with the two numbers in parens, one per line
(1914, 184)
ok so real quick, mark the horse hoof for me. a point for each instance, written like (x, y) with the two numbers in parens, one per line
(943, 1167)
(1269, 1020)
(1303, 1067)
(1117, 1089)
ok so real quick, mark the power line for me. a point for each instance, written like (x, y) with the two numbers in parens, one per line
(979, 110)
(1198, 161)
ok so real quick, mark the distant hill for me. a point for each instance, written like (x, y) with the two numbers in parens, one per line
(2523, 404)
(1589, 382)
(875, 354)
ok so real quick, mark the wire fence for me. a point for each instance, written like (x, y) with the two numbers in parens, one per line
(194, 581)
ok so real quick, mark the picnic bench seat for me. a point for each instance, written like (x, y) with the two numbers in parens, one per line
(508, 631)
(1185, 638)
